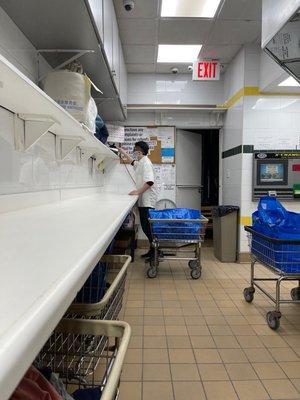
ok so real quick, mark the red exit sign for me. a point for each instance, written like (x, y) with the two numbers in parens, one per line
(206, 70)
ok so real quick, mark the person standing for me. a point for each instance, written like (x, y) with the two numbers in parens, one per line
(145, 183)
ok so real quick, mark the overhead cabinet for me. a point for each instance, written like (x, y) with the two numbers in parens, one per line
(77, 25)
(123, 77)
(116, 53)
(96, 10)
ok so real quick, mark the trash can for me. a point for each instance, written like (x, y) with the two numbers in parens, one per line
(225, 232)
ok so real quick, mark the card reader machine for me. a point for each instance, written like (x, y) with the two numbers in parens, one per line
(276, 173)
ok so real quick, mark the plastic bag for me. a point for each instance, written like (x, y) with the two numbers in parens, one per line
(72, 91)
(221, 211)
(273, 220)
(91, 114)
(101, 130)
(176, 230)
(175, 213)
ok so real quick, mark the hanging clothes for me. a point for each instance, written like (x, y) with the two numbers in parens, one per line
(34, 386)
(60, 387)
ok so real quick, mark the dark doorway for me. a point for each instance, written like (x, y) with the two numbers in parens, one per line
(210, 167)
(210, 177)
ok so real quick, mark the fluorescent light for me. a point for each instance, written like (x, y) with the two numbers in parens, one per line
(289, 82)
(174, 53)
(189, 8)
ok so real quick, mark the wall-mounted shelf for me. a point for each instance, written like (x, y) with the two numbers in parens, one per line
(42, 114)
(72, 15)
(47, 253)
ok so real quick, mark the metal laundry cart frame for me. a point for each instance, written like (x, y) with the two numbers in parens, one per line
(78, 347)
(267, 257)
(89, 338)
(178, 245)
(109, 306)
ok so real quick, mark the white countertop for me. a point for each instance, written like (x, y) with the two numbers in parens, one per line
(47, 253)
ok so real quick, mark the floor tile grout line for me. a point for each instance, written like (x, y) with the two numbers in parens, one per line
(260, 309)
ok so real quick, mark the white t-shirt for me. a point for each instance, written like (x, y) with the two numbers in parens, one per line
(144, 173)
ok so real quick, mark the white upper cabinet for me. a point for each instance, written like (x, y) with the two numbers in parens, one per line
(116, 53)
(123, 77)
(96, 9)
(113, 49)
(108, 13)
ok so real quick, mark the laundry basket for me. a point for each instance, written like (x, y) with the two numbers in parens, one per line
(109, 306)
(88, 354)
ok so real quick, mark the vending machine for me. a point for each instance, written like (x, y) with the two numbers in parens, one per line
(276, 173)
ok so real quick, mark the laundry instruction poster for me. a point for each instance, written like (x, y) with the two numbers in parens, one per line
(161, 140)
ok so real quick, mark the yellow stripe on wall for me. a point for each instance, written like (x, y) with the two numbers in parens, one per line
(246, 221)
(250, 91)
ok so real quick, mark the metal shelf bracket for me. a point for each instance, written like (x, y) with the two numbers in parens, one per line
(77, 54)
(35, 126)
(65, 145)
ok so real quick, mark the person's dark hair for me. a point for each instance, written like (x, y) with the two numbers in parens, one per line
(143, 146)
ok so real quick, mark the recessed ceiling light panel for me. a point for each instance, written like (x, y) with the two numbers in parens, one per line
(189, 8)
(173, 53)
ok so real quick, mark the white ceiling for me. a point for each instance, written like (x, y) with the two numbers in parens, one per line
(237, 22)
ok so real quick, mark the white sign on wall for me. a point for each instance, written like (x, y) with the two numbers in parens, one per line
(165, 180)
(116, 133)
(206, 70)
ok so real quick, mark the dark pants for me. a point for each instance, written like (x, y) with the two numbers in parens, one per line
(145, 224)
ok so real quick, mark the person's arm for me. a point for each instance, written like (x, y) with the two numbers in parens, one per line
(126, 155)
(142, 190)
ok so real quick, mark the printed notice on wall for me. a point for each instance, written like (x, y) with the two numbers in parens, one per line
(165, 180)
(116, 133)
(161, 140)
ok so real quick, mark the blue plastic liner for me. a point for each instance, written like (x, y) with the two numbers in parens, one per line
(274, 221)
(176, 230)
(94, 287)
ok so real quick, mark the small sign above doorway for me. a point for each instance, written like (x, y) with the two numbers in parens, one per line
(206, 70)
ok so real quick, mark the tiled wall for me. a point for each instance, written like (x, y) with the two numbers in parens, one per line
(272, 120)
(276, 121)
(36, 169)
(234, 75)
(233, 132)
(172, 89)
(251, 121)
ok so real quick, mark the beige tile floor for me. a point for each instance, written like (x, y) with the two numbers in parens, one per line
(199, 339)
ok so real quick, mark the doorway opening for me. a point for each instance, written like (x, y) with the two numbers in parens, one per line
(197, 171)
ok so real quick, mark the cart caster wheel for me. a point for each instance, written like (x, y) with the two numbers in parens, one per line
(273, 319)
(193, 264)
(152, 273)
(295, 293)
(249, 294)
(196, 273)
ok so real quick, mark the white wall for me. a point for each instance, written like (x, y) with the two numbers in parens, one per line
(18, 49)
(274, 120)
(172, 89)
(270, 73)
(36, 169)
(234, 75)
(179, 118)
(233, 132)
